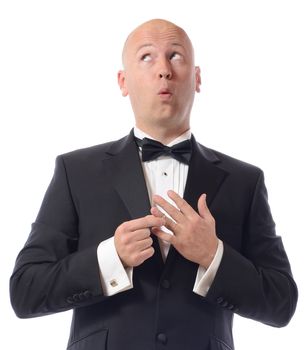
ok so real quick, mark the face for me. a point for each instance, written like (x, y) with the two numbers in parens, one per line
(159, 75)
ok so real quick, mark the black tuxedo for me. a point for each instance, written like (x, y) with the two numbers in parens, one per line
(92, 192)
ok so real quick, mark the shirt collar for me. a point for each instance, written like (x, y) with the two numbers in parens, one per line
(185, 136)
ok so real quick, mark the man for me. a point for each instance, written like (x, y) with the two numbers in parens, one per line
(155, 247)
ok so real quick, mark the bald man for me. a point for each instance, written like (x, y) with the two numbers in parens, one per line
(154, 240)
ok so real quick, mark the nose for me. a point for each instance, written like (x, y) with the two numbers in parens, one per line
(165, 71)
(165, 75)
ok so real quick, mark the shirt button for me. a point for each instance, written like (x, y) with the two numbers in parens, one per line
(165, 174)
(165, 284)
(162, 338)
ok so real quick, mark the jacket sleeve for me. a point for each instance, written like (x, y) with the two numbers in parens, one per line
(256, 282)
(50, 273)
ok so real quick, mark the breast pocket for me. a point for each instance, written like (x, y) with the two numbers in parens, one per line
(94, 341)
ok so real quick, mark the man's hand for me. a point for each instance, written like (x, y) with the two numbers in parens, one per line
(133, 242)
(194, 234)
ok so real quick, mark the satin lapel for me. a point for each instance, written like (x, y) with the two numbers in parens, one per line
(126, 175)
(204, 176)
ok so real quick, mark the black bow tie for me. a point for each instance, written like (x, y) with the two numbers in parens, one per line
(152, 149)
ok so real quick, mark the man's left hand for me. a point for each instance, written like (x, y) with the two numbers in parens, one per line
(194, 233)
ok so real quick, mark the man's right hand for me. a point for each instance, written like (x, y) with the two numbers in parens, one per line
(133, 242)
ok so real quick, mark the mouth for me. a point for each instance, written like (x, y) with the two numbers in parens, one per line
(165, 94)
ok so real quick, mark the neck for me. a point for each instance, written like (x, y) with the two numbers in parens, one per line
(163, 135)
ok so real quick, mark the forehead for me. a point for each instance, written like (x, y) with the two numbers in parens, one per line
(159, 35)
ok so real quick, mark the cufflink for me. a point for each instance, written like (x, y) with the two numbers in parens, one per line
(113, 283)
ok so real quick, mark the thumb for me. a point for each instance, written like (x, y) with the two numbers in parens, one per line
(202, 207)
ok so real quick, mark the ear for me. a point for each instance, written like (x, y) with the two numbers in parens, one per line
(198, 78)
(122, 83)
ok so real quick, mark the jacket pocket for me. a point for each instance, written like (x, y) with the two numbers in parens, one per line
(94, 341)
(218, 344)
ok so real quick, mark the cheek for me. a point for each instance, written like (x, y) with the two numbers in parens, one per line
(188, 86)
(138, 82)
(139, 91)
(184, 75)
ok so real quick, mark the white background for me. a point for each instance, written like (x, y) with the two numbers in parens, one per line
(58, 91)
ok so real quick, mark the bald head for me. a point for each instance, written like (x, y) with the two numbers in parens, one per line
(155, 28)
(160, 78)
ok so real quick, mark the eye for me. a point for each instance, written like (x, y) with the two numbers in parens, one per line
(175, 56)
(146, 57)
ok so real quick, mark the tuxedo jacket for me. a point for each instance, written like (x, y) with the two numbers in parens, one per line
(92, 192)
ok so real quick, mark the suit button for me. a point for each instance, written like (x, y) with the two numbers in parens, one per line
(162, 338)
(76, 297)
(220, 300)
(82, 297)
(87, 294)
(69, 300)
(165, 284)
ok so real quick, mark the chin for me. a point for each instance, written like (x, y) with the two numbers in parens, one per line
(166, 119)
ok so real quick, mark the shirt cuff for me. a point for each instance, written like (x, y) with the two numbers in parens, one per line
(205, 277)
(114, 277)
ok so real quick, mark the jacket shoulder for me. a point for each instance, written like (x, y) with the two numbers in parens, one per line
(91, 153)
(231, 164)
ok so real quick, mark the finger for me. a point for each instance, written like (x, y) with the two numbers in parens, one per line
(144, 222)
(146, 254)
(172, 226)
(129, 239)
(163, 235)
(169, 223)
(172, 211)
(202, 207)
(144, 244)
(156, 212)
(140, 235)
(183, 206)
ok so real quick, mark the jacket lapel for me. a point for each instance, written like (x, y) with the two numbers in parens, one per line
(204, 175)
(126, 175)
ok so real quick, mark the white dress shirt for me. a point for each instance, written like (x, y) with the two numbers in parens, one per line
(162, 174)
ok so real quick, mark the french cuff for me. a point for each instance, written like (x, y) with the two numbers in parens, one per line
(205, 277)
(114, 277)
